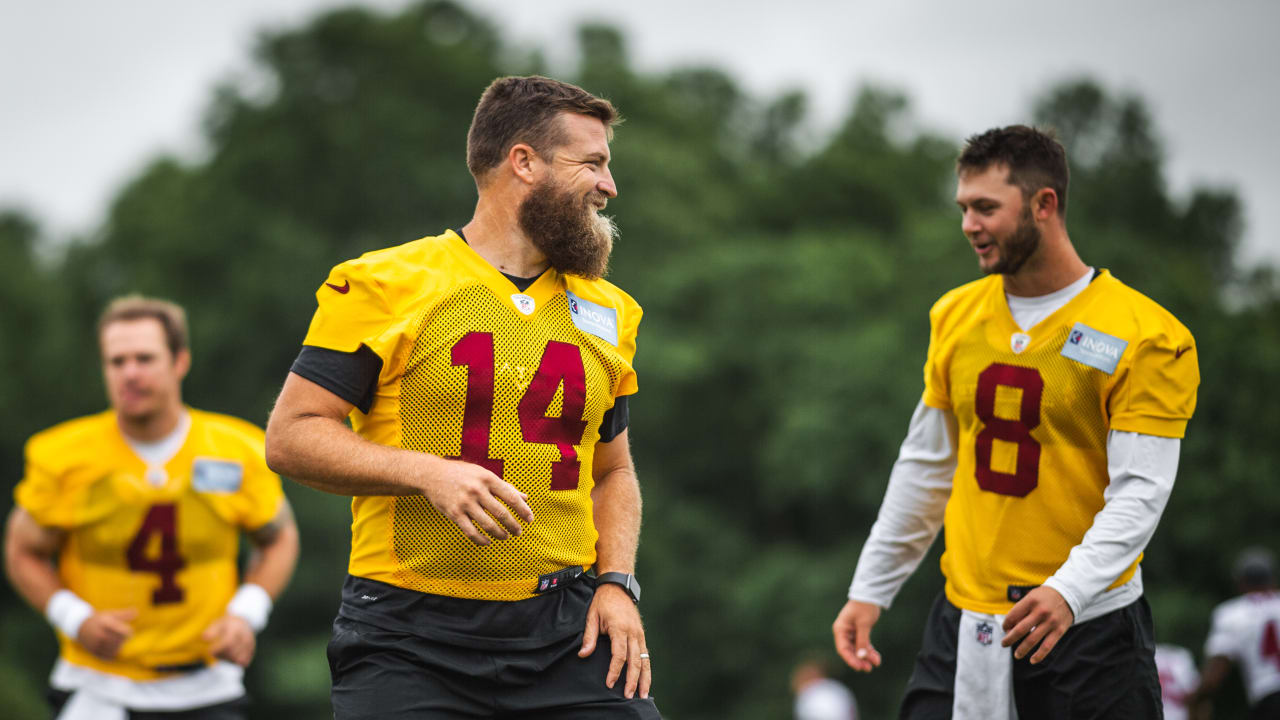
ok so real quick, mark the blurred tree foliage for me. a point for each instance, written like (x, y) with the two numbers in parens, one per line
(786, 294)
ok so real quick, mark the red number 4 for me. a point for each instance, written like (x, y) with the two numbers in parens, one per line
(1271, 643)
(561, 363)
(162, 520)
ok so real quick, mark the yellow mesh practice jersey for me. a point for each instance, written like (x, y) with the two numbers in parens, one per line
(1033, 410)
(167, 550)
(517, 382)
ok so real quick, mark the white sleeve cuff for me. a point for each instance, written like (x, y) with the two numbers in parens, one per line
(1142, 470)
(1073, 599)
(253, 604)
(877, 600)
(67, 611)
(912, 510)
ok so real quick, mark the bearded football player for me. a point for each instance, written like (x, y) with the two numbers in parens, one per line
(486, 373)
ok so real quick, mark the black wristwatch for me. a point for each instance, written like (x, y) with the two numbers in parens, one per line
(628, 583)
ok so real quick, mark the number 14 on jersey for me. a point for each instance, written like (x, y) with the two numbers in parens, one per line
(561, 363)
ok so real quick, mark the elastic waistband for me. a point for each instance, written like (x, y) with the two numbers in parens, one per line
(537, 621)
(182, 668)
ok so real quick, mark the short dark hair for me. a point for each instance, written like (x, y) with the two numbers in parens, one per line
(1034, 157)
(526, 110)
(1255, 568)
(171, 317)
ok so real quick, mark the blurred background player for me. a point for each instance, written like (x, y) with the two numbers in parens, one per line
(1246, 631)
(1178, 680)
(486, 373)
(125, 534)
(1047, 436)
(818, 696)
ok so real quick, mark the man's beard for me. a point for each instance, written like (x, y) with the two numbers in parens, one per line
(1021, 244)
(568, 229)
(139, 416)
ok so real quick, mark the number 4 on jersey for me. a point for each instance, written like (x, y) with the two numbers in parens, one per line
(161, 520)
(1271, 643)
(561, 363)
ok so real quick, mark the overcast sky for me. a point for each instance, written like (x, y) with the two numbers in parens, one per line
(89, 91)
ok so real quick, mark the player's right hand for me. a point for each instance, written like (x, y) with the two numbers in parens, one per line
(852, 629)
(105, 631)
(475, 500)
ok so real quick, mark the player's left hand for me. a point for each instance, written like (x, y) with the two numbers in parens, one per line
(231, 638)
(1041, 618)
(613, 612)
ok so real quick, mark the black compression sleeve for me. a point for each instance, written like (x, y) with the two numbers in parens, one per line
(351, 376)
(615, 420)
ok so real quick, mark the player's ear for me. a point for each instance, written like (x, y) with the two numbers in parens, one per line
(522, 159)
(182, 362)
(1045, 203)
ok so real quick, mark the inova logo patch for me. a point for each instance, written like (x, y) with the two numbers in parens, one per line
(594, 319)
(1094, 348)
(216, 476)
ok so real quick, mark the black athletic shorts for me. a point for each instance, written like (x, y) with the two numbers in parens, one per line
(1268, 708)
(414, 656)
(232, 710)
(1101, 669)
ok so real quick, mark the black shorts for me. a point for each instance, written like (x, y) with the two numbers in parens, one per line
(1268, 708)
(231, 710)
(1101, 669)
(436, 672)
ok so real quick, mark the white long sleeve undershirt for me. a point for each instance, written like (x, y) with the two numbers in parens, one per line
(912, 509)
(1141, 470)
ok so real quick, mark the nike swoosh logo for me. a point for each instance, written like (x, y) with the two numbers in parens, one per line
(344, 289)
(1178, 353)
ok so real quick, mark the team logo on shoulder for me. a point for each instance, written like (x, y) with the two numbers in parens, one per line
(524, 303)
(1094, 348)
(216, 476)
(593, 319)
(985, 633)
(1019, 342)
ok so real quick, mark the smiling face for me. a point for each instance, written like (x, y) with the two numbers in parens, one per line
(143, 377)
(997, 219)
(561, 214)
